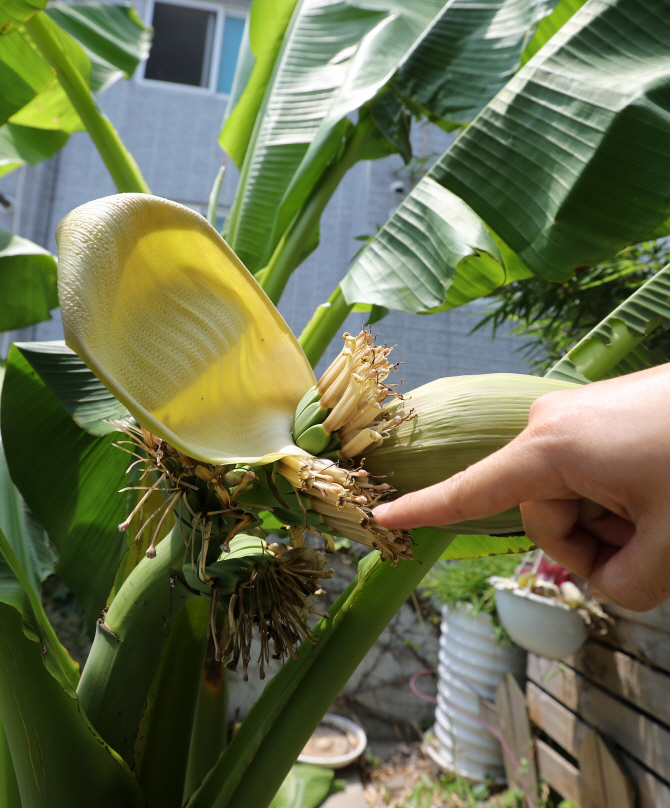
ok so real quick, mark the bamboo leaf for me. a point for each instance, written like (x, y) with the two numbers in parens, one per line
(28, 287)
(569, 162)
(48, 455)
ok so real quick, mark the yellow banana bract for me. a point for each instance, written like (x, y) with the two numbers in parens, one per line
(170, 320)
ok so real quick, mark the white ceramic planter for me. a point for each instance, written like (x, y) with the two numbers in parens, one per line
(542, 625)
(471, 664)
(339, 761)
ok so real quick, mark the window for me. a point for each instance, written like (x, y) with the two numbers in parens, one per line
(194, 45)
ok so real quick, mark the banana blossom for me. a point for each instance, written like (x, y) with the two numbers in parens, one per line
(165, 314)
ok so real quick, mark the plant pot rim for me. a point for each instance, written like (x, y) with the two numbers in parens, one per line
(339, 761)
(500, 586)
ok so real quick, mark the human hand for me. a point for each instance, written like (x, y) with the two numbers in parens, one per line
(591, 472)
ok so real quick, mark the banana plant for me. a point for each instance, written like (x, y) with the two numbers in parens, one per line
(229, 435)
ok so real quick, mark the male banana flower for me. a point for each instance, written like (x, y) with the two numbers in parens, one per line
(232, 421)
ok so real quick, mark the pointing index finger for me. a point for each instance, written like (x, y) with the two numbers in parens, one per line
(516, 473)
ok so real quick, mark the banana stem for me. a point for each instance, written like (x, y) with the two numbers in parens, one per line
(162, 748)
(286, 257)
(128, 643)
(324, 325)
(267, 744)
(9, 787)
(120, 163)
(214, 194)
(210, 727)
(49, 635)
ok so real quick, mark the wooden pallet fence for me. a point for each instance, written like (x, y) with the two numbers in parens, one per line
(609, 710)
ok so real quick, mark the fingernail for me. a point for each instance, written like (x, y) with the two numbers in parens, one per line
(598, 596)
(380, 510)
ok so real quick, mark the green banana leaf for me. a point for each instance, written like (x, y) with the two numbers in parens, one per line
(614, 346)
(466, 55)
(262, 39)
(334, 58)
(79, 474)
(28, 542)
(550, 25)
(28, 288)
(15, 12)
(9, 788)
(425, 54)
(21, 145)
(306, 786)
(569, 162)
(76, 388)
(514, 169)
(433, 253)
(105, 41)
(51, 108)
(58, 758)
(163, 740)
(113, 37)
(23, 73)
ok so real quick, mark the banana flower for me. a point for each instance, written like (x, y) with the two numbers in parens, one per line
(165, 314)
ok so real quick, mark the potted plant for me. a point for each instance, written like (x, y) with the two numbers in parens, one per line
(545, 609)
(475, 653)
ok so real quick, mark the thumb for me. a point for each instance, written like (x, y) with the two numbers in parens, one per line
(516, 473)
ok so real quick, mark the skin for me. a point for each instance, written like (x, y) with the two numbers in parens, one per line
(591, 473)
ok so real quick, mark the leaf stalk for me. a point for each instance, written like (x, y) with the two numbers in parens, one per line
(288, 253)
(120, 163)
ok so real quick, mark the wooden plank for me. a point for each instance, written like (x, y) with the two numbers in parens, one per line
(625, 677)
(643, 738)
(603, 783)
(647, 643)
(651, 791)
(658, 618)
(558, 772)
(567, 730)
(556, 720)
(488, 713)
(515, 729)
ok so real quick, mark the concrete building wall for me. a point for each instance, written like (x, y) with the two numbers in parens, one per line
(172, 133)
